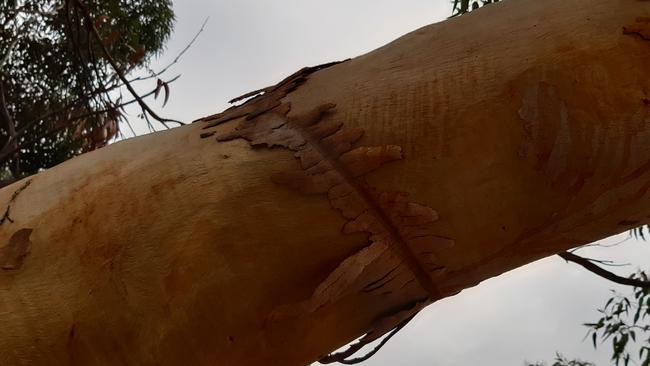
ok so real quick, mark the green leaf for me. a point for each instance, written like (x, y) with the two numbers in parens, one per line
(593, 338)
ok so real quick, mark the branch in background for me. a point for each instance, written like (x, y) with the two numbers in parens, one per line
(178, 57)
(87, 110)
(343, 356)
(7, 153)
(73, 113)
(604, 262)
(8, 53)
(116, 68)
(591, 267)
(7, 124)
(600, 245)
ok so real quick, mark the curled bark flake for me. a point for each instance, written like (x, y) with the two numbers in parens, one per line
(264, 100)
(641, 27)
(13, 254)
(207, 134)
(346, 275)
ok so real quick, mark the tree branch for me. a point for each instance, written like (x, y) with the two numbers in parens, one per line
(178, 56)
(7, 153)
(7, 124)
(8, 53)
(591, 267)
(116, 67)
(343, 356)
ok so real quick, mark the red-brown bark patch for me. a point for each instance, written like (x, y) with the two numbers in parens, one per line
(13, 254)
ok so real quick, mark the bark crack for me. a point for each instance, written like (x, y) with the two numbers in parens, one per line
(6, 217)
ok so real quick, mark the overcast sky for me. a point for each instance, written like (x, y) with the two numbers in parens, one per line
(526, 314)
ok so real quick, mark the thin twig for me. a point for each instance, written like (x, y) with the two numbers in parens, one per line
(604, 262)
(7, 124)
(590, 266)
(599, 245)
(343, 356)
(80, 100)
(8, 53)
(6, 155)
(178, 57)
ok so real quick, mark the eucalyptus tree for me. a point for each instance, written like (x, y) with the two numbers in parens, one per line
(456, 153)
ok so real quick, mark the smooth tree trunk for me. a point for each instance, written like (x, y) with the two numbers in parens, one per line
(453, 154)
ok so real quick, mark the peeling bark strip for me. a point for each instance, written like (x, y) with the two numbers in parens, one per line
(13, 254)
(263, 100)
(398, 229)
(6, 216)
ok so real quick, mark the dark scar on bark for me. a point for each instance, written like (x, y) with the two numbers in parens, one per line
(332, 165)
(13, 254)
(6, 217)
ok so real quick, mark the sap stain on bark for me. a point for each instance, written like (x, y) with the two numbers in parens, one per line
(13, 254)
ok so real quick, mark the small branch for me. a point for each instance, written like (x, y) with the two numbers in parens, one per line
(342, 357)
(84, 99)
(604, 262)
(7, 55)
(178, 57)
(117, 70)
(7, 124)
(590, 266)
(7, 153)
(602, 245)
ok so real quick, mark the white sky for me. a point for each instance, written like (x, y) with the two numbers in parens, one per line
(526, 314)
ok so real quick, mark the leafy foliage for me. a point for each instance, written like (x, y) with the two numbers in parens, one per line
(62, 94)
(461, 7)
(640, 232)
(625, 320)
(560, 360)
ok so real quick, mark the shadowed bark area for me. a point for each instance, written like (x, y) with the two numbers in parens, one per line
(512, 131)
